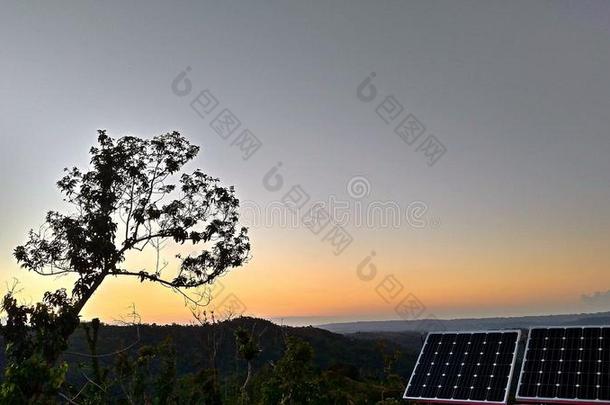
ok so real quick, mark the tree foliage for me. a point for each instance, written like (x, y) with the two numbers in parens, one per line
(294, 380)
(136, 181)
(35, 336)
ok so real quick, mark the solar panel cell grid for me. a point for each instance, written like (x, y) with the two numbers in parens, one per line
(464, 367)
(566, 364)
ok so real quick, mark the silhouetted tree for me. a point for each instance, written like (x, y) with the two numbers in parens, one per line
(248, 349)
(91, 334)
(132, 196)
(294, 380)
(34, 337)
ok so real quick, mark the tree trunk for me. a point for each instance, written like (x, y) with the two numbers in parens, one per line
(88, 294)
(248, 376)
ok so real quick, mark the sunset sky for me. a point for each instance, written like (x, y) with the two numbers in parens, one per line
(515, 216)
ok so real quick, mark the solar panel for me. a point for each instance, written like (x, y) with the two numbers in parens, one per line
(566, 364)
(464, 367)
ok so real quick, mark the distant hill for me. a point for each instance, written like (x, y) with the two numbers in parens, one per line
(361, 356)
(409, 341)
(424, 325)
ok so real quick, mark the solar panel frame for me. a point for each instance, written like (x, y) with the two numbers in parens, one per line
(465, 401)
(530, 400)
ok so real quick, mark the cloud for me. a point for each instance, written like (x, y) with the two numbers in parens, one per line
(599, 299)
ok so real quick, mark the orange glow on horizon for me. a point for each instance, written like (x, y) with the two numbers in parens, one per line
(279, 283)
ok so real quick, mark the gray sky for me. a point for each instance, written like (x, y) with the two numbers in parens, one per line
(518, 92)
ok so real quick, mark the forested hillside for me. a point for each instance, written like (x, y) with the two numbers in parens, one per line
(206, 363)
